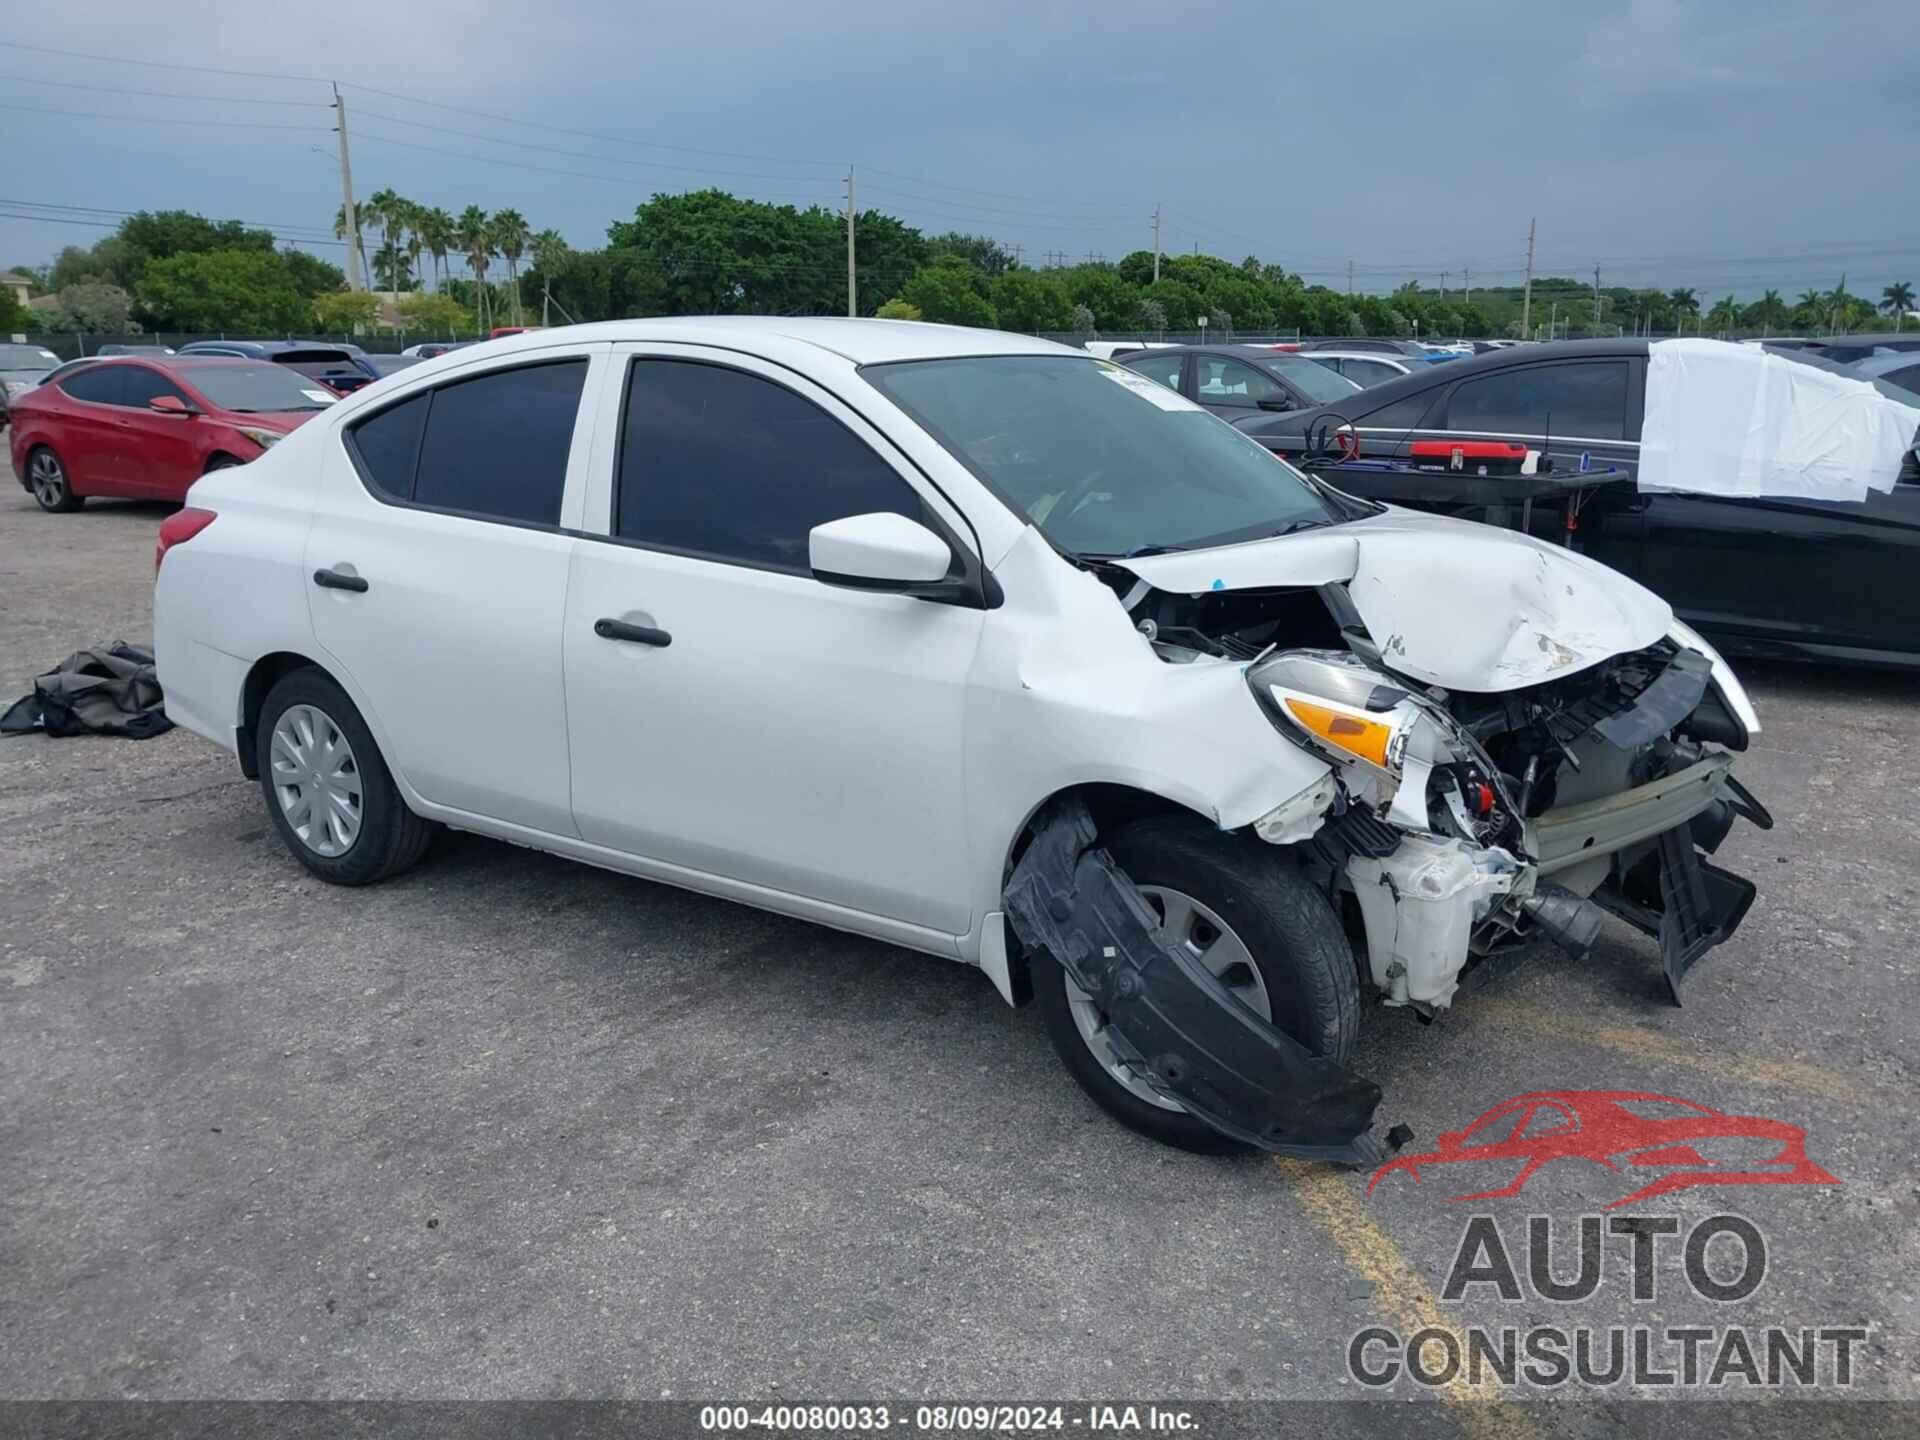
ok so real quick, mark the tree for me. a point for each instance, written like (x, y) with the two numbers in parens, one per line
(344, 312)
(511, 233)
(716, 254)
(436, 231)
(897, 310)
(1897, 298)
(1082, 320)
(1030, 301)
(410, 218)
(358, 239)
(985, 254)
(13, 315)
(96, 307)
(387, 210)
(950, 292)
(1151, 315)
(475, 238)
(1100, 289)
(225, 290)
(1725, 313)
(311, 276)
(434, 314)
(390, 269)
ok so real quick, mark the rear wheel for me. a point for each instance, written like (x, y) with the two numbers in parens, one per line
(47, 479)
(330, 794)
(1240, 907)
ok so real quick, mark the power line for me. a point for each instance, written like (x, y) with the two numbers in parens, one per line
(153, 119)
(161, 64)
(163, 94)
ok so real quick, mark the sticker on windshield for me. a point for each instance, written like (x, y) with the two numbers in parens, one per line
(1147, 389)
(325, 397)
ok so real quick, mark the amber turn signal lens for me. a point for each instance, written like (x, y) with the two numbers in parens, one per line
(1362, 738)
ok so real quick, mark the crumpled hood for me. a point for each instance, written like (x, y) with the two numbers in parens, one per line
(1448, 602)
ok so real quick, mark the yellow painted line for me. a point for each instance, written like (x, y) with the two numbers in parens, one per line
(1658, 1047)
(1401, 1297)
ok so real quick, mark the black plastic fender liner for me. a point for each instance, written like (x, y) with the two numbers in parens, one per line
(1170, 1021)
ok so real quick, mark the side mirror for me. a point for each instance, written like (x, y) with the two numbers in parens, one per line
(880, 551)
(1276, 402)
(170, 405)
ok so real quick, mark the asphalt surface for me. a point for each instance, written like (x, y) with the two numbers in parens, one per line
(509, 1126)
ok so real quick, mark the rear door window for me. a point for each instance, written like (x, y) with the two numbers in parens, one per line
(1585, 399)
(102, 385)
(494, 447)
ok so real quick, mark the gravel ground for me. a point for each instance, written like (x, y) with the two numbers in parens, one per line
(509, 1126)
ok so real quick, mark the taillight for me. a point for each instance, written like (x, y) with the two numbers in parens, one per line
(177, 529)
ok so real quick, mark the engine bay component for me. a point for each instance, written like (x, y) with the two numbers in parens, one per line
(1420, 905)
(1169, 1020)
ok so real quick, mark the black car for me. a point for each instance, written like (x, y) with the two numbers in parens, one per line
(1809, 578)
(341, 368)
(1241, 382)
(1369, 342)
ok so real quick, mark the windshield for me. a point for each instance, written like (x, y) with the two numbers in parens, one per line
(27, 359)
(1322, 386)
(256, 386)
(1105, 462)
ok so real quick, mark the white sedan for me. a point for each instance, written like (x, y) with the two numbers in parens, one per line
(972, 643)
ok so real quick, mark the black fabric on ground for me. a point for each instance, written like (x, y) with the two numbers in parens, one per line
(108, 690)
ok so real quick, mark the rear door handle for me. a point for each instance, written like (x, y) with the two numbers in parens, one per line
(638, 634)
(334, 580)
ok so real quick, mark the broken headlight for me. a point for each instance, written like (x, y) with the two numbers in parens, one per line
(1336, 707)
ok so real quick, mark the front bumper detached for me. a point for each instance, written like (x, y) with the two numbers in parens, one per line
(1170, 1021)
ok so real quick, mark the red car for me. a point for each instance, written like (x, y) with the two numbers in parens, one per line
(147, 429)
(1622, 1130)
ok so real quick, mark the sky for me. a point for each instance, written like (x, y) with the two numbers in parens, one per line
(1714, 144)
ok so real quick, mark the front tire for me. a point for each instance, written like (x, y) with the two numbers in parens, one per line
(327, 788)
(1252, 919)
(47, 479)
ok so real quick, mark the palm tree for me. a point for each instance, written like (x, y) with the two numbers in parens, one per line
(1682, 301)
(510, 235)
(549, 254)
(436, 232)
(1723, 314)
(359, 239)
(475, 238)
(385, 209)
(410, 217)
(1897, 297)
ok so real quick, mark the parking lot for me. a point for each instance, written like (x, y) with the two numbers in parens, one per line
(509, 1126)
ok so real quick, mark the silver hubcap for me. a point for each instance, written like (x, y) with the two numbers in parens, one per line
(316, 780)
(1207, 937)
(48, 481)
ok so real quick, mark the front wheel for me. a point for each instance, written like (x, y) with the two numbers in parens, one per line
(1247, 914)
(47, 479)
(330, 794)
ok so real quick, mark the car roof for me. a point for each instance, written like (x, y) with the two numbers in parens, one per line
(864, 342)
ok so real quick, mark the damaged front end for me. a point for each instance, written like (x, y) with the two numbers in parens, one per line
(1471, 803)
(1520, 814)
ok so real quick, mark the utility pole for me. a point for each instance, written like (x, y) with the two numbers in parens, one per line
(852, 309)
(1596, 297)
(1526, 304)
(1469, 279)
(1443, 285)
(1156, 242)
(1349, 277)
(355, 280)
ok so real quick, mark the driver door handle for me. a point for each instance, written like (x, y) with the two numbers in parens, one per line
(334, 580)
(636, 634)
